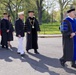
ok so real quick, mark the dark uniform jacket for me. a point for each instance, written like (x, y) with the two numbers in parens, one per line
(4, 27)
(19, 27)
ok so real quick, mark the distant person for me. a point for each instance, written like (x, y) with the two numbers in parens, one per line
(19, 28)
(69, 38)
(4, 31)
(32, 27)
(10, 34)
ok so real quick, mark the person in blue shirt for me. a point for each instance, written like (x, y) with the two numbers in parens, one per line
(69, 38)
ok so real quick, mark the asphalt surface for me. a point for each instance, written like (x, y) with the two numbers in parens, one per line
(46, 63)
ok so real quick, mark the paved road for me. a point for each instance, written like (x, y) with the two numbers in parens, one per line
(47, 63)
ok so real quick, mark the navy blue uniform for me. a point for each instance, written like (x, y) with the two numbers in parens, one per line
(4, 27)
(19, 27)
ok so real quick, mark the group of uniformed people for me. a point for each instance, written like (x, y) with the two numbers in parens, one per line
(31, 27)
(6, 31)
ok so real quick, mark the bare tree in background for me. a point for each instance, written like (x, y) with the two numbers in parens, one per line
(63, 4)
(12, 7)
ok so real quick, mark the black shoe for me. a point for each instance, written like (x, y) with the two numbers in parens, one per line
(27, 51)
(18, 52)
(74, 65)
(22, 55)
(3, 47)
(36, 52)
(7, 47)
(62, 62)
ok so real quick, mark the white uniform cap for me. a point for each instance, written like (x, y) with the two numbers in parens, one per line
(21, 13)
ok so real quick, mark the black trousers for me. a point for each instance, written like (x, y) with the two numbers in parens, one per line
(4, 40)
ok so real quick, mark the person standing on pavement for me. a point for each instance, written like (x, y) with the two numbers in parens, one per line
(19, 28)
(4, 31)
(10, 34)
(69, 38)
(32, 26)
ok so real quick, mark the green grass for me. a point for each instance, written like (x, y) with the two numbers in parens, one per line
(50, 28)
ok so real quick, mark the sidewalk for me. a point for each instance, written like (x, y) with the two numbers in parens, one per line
(49, 36)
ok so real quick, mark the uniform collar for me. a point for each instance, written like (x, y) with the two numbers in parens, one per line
(20, 19)
(5, 18)
(71, 18)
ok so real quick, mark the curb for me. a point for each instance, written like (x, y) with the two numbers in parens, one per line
(49, 36)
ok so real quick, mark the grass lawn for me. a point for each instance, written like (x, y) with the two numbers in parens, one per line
(50, 28)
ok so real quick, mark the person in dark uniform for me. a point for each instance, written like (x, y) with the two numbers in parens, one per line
(10, 34)
(4, 31)
(32, 26)
(19, 28)
(69, 37)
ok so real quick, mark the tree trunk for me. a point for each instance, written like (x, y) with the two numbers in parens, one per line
(11, 12)
(39, 7)
(61, 13)
(52, 17)
(61, 16)
(40, 16)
